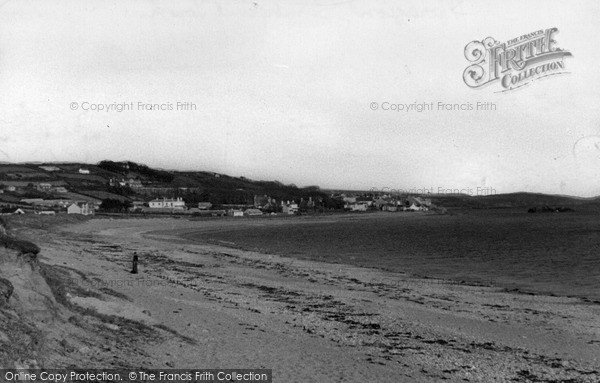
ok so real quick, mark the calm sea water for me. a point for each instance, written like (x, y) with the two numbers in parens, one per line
(557, 253)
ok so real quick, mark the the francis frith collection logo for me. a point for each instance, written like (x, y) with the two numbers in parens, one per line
(516, 62)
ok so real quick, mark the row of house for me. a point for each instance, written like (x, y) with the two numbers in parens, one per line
(387, 203)
(48, 206)
(241, 213)
(48, 187)
(235, 210)
(131, 182)
(173, 205)
(83, 208)
(177, 205)
(167, 203)
(41, 186)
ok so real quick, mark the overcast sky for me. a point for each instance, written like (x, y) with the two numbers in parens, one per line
(284, 90)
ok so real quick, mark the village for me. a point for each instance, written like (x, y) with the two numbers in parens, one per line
(57, 197)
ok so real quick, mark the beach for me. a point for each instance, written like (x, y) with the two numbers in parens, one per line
(217, 306)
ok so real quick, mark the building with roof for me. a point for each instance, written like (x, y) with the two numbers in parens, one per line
(11, 211)
(289, 208)
(204, 205)
(357, 206)
(42, 186)
(169, 203)
(82, 208)
(235, 213)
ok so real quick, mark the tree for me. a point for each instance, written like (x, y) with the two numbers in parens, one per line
(115, 205)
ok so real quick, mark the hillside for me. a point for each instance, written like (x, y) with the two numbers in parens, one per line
(129, 181)
(132, 181)
(513, 200)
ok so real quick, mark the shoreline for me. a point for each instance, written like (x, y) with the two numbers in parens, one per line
(509, 284)
(296, 316)
(230, 223)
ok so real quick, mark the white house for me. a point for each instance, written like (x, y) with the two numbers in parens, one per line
(83, 208)
(83, 171)
(169, 203)
(414, 207)
(289, 208)
(235, 213)
(358, 206)
(251, 212)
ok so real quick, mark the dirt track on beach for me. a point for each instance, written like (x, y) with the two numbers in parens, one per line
(308, 321)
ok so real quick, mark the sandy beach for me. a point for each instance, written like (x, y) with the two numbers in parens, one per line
(201, 305)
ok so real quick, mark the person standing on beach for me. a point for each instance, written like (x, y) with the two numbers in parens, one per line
(134, 269)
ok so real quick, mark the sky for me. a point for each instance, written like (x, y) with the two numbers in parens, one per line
(301, 91)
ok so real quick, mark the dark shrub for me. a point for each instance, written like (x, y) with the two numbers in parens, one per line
(24, 247)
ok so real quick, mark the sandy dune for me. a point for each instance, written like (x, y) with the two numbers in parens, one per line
(308, 321)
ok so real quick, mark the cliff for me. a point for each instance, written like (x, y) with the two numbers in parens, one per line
(27, 304)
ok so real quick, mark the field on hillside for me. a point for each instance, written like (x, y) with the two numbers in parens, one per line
(557, 253)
